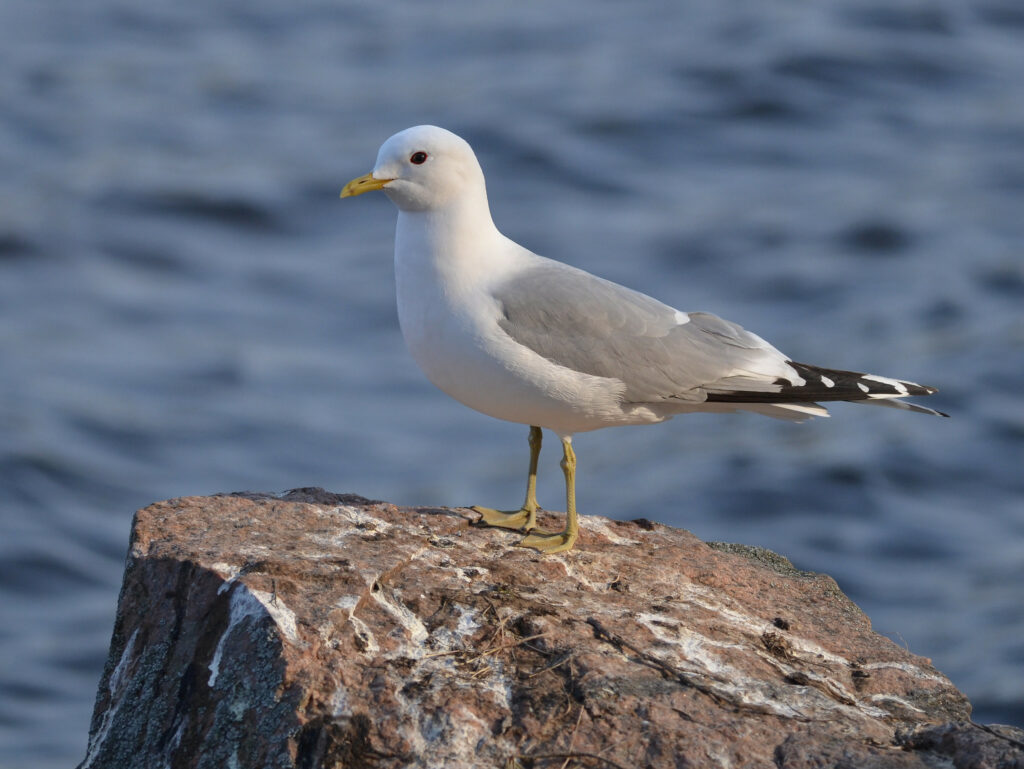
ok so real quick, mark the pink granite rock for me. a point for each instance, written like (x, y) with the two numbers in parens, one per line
(322, 630)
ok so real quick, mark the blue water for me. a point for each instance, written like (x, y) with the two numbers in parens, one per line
(186, 307)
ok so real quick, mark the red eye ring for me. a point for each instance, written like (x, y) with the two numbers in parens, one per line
(418, 158)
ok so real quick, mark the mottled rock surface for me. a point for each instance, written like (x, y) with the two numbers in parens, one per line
(322, 630)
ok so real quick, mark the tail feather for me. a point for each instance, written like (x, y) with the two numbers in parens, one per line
(898, 404)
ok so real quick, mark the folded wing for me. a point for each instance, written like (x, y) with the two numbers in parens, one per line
(665, 357)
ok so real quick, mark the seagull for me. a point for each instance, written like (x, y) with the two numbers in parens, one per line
(534, 341)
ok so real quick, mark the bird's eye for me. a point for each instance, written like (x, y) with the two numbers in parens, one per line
(418, 158)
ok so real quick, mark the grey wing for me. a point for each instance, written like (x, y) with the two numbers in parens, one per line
(597, 327)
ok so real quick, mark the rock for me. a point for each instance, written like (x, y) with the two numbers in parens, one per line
(322, 630)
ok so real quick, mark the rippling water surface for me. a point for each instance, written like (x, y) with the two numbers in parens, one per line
(186, 307)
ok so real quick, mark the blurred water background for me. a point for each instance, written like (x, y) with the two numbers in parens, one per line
(186, 307)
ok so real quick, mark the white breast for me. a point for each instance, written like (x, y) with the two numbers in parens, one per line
(449, 319)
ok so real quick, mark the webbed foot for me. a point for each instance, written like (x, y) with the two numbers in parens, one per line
(523, 519)
(547, 542)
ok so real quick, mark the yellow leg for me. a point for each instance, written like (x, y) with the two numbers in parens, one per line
(525, 518)
(564, 540)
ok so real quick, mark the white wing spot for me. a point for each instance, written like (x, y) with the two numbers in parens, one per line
(792, 376)
(827, 382)
(863, 387)
(895, 383)
(682, 318)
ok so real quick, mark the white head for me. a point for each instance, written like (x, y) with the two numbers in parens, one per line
(424, 168)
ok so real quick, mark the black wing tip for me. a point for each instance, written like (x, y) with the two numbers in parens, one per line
(834, 385)
(852, 381)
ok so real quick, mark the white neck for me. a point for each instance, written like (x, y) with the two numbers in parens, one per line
(458, 242)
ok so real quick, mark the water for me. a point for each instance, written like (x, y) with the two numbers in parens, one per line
(186, 307)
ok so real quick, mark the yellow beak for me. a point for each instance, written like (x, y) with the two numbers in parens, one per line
(363, 184)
